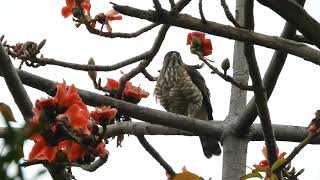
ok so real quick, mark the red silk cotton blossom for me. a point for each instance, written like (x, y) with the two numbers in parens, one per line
(265, 163)
(199, 43)
(104, 112)
(49, 113)
(106, 18)
(66, 11)
(129, 90)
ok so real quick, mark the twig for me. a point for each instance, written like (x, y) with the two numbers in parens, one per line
(298, 148)
(224, 76)
(172, 4)
(147, 146)
(92, 30)
(95, 165)
(203, 19)
(15, 85)
(158, 7)
(229, 14)
(83, 67)
(148, 75)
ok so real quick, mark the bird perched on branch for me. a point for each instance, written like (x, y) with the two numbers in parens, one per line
(181, 89)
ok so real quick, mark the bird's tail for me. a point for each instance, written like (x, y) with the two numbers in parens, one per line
(210, 146)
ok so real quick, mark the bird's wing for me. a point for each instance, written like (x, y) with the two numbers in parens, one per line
(199, 81)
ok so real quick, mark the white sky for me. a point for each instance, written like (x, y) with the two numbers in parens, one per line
(293, 102)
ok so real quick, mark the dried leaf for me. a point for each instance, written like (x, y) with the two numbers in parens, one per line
(6, 112)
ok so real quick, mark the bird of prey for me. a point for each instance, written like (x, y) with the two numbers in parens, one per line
(181, 89)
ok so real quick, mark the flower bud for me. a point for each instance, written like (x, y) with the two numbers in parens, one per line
(92, 74)
(225, 65)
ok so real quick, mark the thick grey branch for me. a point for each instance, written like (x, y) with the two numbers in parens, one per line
(295, 14)
(15, 85)
(189, 22)
(278, 60)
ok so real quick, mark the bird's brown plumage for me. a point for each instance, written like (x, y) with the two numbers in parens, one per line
(181, 89)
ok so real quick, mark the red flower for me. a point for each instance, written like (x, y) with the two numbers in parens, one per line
(103, 112)
(265, 163)
(41, 151)
(101, 150)
(112, 84)
(135, 92)
(66, 11)
(67, 98)
(78, 116)
(199, 43)
(129, 90)
(105, 19)
(73, 150)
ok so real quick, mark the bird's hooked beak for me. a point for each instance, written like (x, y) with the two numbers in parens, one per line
(173, 60)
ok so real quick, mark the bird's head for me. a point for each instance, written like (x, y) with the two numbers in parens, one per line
(172, 59)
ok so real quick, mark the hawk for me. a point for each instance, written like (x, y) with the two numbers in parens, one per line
(181, 89)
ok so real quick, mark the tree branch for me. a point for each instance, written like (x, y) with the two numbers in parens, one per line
(226, 77)
(189, 22)
(260, 93)
(247, 117)
(15, 85)
(295, 14)
(147, 146)
(138, 128)
(192, 125)
(203, 18)
(229, 14)
(92, 30)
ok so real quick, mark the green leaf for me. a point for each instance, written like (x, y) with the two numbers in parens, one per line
(277, 164)
(253, 174)
(262, 169)
(274, 177)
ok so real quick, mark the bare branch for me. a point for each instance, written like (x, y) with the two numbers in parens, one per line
(298, 148)
(295, 14)
(229, 14)
(224, 76)
(83, 67)
(153, 152)
(92, 30)
(15, 85)
(148, 75)
(203, 19)
(95, 165)
(189, 22)
(138, 128)
(278, 60)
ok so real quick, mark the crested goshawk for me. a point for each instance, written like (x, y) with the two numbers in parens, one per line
(181, 89)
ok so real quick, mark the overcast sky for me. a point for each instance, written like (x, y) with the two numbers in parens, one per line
(294, 100)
